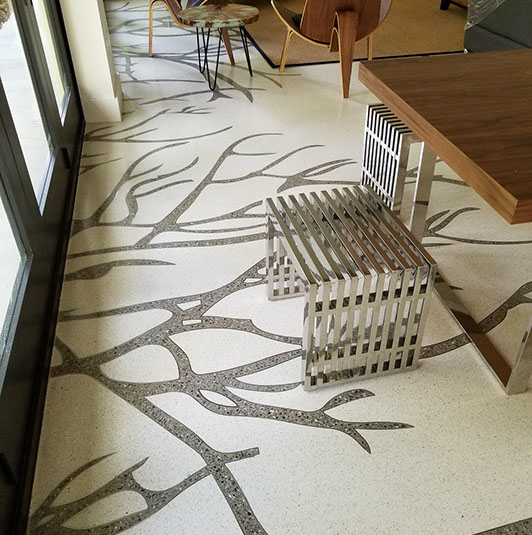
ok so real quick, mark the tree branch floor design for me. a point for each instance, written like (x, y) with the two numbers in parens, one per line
(174, 403)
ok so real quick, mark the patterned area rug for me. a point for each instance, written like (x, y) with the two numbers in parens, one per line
(5, 11)
(174, 403)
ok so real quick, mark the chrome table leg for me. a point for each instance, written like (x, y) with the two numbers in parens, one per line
(477, 336)
(514, 380)
(425, 175)
(522, 370)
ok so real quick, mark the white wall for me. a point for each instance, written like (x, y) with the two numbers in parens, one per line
(98, 81)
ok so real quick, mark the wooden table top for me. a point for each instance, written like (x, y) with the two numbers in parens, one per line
(474, 111)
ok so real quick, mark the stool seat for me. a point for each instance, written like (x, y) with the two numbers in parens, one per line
(365, 278)
(218, 16)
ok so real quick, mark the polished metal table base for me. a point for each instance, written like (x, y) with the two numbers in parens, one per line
(387, 127)
(522, 369)
(514, 380)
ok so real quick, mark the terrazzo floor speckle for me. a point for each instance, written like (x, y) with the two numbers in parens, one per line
(174, 403)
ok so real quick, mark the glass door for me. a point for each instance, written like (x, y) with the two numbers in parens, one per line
(14, 256)
(32, 132)
(53, 55)
(25, 277)
(40, 141)
(37, 77)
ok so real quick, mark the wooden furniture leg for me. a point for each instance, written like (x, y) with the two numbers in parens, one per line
(343, 40)
(228, 47)
(370, 46)
(444, 6)
(150, 30)
(289, 34)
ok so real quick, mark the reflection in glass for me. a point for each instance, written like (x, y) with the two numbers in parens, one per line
(22, 100)
(10, 265)
(50, 51)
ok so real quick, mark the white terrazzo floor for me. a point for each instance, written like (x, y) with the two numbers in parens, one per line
(173, 404)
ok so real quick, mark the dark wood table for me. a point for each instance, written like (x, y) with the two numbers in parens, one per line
(475, 112)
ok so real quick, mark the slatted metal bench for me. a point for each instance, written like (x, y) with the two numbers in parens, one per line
(387, 143)
(365, 278)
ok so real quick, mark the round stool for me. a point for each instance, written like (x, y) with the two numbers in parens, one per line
(218, 17)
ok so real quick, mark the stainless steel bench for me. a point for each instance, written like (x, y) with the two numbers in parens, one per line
(365, 278)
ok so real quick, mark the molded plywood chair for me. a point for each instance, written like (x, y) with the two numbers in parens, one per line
(174, 7)
(336, 24)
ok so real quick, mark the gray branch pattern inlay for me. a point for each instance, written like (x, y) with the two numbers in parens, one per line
(143, 179)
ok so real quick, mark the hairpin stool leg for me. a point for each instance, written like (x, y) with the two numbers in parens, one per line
(246, 48)
(205, 65)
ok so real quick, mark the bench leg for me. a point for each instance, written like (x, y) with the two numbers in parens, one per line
(308, 343)
(270, 258)
(281, 273)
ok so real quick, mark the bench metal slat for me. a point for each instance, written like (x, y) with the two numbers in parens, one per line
(291, 245)
(354, 234)
(304, 240)
(348, 266)
(361, 265)
(319, 239)
(366, 228)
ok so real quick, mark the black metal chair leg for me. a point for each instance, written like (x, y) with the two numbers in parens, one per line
(246, 48)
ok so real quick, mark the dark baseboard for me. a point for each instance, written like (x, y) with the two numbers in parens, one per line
(20, 523)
